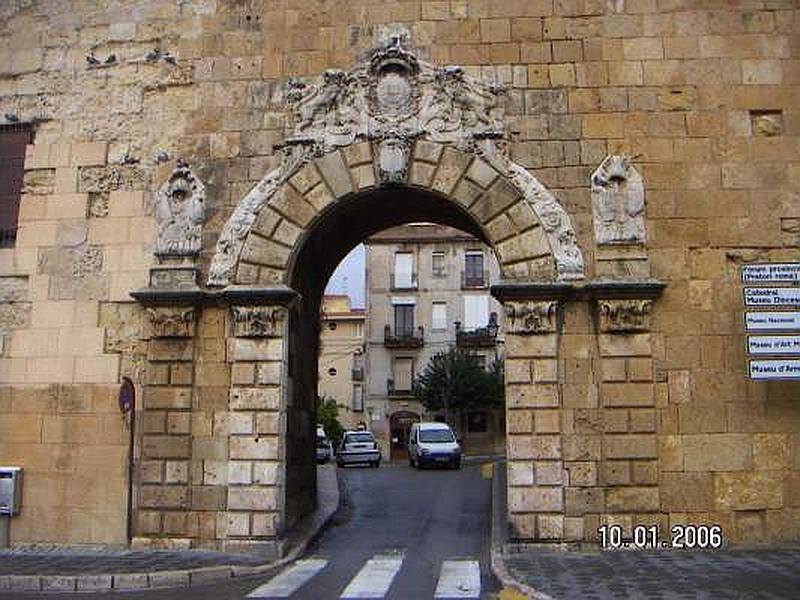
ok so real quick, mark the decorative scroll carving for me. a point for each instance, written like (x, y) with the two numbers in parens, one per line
(618, 202)
(393, 99)
(624, 315)
(530, 317)
(258, 321)
(171, 321)
(179, 211)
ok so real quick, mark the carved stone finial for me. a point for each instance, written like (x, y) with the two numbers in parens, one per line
(531, 317)
(618, 202)
(180, 211)
(258, 321)
(624, 316)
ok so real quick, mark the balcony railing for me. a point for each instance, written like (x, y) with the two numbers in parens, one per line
(357, 374)
(479, 337)
(403, 283)
(474, 281)
(403, 338)
(391, 390)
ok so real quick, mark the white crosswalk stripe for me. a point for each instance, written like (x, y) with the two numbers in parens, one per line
(459, 579)
(291, 580)
(374, 578)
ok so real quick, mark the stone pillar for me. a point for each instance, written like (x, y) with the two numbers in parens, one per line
(628, 466)
(166, 416)
(256, 425)
(533, 410)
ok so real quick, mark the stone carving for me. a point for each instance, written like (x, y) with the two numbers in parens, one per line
(393, 99)
(179, 211)
(618, 202)
(531, 317)
(258, 321)
(171, 321)
(393, 155)
(624, 315)
(555, 221)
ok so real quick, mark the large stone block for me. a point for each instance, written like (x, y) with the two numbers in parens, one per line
(633, 499)
(686, 492)
(584, 501)
(627, 394)
(156, 397)
(748, 491)
(164, 496)
(261, 398)
(718, 452)
(166, 446)
(244, 349)
(253, 498)
(630, 446)
(258, 447)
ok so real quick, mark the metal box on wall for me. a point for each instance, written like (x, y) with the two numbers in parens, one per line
(10, 490)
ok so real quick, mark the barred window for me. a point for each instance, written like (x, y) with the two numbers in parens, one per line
(13, 140)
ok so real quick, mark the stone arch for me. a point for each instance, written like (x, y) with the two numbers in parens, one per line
(529, 230)
(395, 121)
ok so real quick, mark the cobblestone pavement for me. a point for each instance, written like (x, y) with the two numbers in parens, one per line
(754, 574)
(40, 560)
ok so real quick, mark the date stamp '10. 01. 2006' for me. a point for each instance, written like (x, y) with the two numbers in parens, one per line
(648, 537)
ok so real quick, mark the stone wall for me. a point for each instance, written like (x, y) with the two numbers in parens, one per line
(627, 427)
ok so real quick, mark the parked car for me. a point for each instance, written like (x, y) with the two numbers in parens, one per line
(358, 447)
(324, 447)
(433, 444)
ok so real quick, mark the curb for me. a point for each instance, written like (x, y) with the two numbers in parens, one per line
(500, 535)
(169, 579)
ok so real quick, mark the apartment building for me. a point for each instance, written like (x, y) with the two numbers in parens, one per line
(427, 290)
(341, 359)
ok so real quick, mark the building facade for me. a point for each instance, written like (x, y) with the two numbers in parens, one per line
(193, 172)
(341, 360)
(427, 291)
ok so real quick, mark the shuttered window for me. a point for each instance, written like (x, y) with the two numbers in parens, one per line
(13, 140)
(439, 316)
(403, 374)
(476, 312)
(403, 270)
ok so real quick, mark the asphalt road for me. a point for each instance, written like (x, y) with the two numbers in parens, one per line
(396, 528)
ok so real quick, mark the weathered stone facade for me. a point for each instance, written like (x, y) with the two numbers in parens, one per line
(628, 401)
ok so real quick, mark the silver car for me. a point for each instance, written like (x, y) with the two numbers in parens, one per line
(358, 447)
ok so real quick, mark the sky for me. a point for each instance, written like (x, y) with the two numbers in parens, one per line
(349, 277)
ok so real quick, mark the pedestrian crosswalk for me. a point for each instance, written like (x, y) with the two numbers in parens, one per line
(457, 579)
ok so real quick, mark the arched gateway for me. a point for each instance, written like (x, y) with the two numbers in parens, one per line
(391, 141)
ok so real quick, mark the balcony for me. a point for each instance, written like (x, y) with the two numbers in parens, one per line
(394, 392)
(357, 374)
(403, 283)
(474, 281)
(482, 337)
(403, 338)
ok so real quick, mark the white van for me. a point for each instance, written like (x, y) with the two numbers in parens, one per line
(433, 444)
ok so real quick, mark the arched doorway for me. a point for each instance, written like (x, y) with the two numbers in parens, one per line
(392, 141)
(400, 426)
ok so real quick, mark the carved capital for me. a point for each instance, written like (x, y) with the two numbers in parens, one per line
(526, 318)
(258, 321)
(622, 316)
(171, 321)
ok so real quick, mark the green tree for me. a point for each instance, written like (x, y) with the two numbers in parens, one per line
(454, 380)
(328, 417)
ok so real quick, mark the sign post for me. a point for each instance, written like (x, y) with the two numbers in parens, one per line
(774, 345)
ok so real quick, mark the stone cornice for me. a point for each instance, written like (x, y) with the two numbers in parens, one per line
(645, 289)
(279, 295)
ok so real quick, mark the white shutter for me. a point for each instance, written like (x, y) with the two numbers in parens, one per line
(476, 312)
(403, 269)
(439, 316)
(403, 373)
